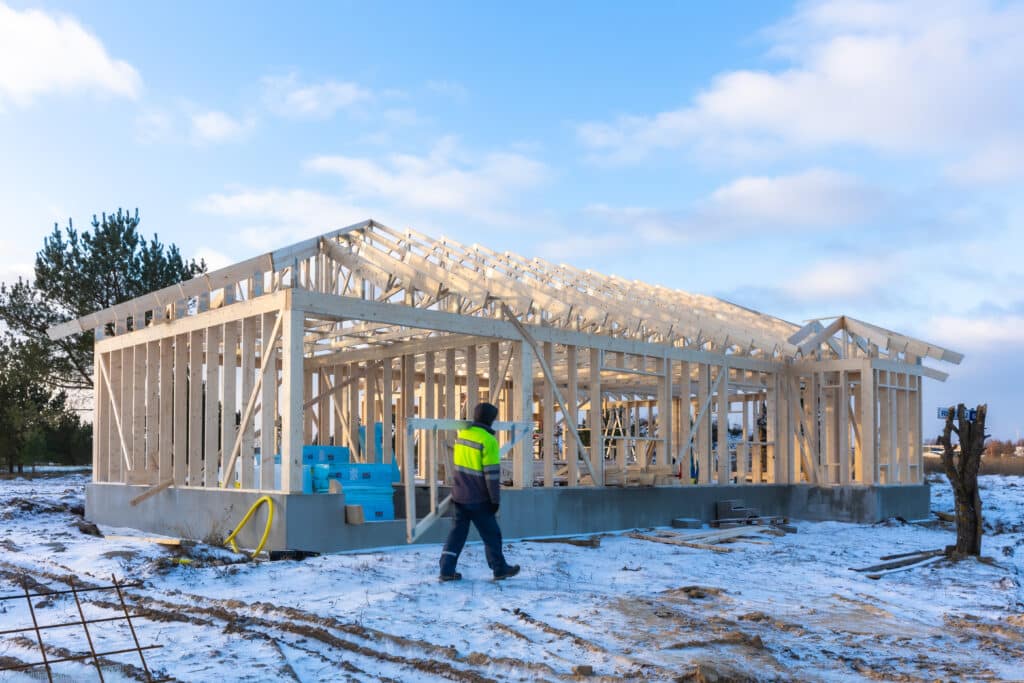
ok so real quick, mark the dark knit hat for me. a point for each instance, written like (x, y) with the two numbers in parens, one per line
(484, 414)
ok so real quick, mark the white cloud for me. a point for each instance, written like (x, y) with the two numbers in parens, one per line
(286, 96)
(838, 279)
(576, 248)
(999, 161)
(452, 89)
(273, 217)
(909, 77)
(154, 126)
(814, 199)
(975, 333)
(447, 179)
(214, 259)
(216, 126)
(43, 53)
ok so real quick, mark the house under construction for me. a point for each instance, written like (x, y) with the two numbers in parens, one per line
(611, 395)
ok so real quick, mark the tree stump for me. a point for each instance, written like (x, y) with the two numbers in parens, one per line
(962, 471)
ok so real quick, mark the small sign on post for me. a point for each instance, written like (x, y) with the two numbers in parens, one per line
(970, 413)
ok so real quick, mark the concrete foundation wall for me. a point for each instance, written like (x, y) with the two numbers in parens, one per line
(317, 522)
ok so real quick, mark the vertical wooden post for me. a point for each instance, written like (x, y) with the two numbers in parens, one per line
(450, 401)
(664, 367)
(884, 418)
(268, 402)
(844, 426)
(152, 408)
(755, 462)
(195, 408)
(291, 397)
(703, 440)
(685, 424)
(472, 381)
(116, 459)
(572, 455)
(229, 429)
(429, 410)
(387, 413)
(353, 412)
(165, 461)
(894, 430)
(778, 430)
(548, 419)
(596, 417)
(100, 464)
(522, 405)
(249, 330)
(493, 369)
(308, 416)
(724, 464)
(408, 408)
(918, 435)
(369, 410)
(181, 387)
(905, 432)
(211, 460)
(137, 441)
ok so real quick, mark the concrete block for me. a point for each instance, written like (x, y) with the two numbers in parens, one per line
(686, 523)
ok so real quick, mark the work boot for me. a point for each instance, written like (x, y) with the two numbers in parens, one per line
(451, 577)
(509, 571)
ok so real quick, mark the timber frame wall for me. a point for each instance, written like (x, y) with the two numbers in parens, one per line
(369, 324)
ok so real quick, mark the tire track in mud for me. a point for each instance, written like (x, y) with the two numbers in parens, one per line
(135, 673)
(263, 619)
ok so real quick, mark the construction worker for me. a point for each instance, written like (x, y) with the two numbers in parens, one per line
(476, 494)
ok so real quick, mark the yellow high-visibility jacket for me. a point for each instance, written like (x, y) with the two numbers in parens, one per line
(477, 475)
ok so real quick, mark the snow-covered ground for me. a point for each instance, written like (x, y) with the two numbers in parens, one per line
(786, 608)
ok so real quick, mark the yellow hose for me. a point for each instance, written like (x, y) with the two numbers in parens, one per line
(248, 515)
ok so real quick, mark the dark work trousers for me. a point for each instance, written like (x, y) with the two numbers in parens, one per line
(482, 517)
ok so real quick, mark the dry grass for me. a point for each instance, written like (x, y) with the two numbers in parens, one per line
(989, 465)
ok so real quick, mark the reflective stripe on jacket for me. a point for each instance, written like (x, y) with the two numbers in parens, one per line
(477, 475)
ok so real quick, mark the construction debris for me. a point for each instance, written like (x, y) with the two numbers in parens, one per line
(706, 540)
(901, 562)
(586, 542)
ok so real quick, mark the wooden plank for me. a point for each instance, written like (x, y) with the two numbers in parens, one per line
(904, 431)
(100, 424)
(152, 491)
(137, 430)
(268, 398)
(548, 420)
(229, 382)
(250, 328)
(180, 458)
(387, 413)
(369, 409)
(291, 399)
(573, 447)
(596, 416)
(686, 424)
(195, 409)
(152, 406)
(165, 427)
(844, 427)
(677, 541)
(724, 464)
(522, 408)
(702, 424)
(211, 418)
(472, 381)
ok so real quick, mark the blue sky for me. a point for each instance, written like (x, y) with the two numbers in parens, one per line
(805, 159)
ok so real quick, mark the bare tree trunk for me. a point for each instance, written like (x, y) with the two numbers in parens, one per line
(962, 472)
